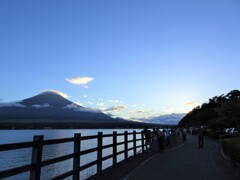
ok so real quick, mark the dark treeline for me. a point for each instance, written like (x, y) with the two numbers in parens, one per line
(220, 112)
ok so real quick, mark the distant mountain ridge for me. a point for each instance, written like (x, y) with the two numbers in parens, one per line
(170, 119)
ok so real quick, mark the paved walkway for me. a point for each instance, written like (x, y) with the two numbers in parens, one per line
(186, 162)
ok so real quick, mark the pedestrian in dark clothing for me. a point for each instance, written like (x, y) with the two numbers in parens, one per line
(148, 139)
(200, 138)
(184, 134)
(160, 139)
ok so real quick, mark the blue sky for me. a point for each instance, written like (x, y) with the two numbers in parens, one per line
(140, 58)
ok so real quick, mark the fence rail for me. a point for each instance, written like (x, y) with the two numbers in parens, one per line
(37, 148)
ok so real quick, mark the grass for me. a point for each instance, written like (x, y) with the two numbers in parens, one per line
(231, 147)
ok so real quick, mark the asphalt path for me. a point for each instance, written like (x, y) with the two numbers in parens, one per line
(186, 162)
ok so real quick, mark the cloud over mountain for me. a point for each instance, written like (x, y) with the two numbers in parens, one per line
(11, 104)
(41, 106)
(115, 108)
(58, 92)
(80, 80)
(75, 107)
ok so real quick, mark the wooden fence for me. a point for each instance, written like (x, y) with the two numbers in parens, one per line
(37, 148)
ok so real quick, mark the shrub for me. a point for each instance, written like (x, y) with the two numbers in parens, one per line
(213, 135)
(225, 136)
(231, 147)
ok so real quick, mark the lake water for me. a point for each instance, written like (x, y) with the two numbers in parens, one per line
(16, 158)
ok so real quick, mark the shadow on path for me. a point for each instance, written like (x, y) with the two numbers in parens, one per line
(186, 162)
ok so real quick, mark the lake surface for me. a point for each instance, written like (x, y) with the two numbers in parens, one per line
(16, 158)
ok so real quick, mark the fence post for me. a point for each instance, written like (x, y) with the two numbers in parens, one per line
(142, 138)
(134, 143)
(99, 153)
(76, 160)
(125, 145)
(114, 148)
(37, 149)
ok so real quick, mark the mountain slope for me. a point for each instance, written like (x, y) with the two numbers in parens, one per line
(48, 97)
(50, 105)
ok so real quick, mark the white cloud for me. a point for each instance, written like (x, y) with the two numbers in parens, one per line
(94, 110)
(81, 109)
(85, 96)
(12, 104)
(140, 111)
(80, 80)
(78, 103)
(115, 108)
(86, 87)
(91, 103)
(41, 106)
(100, 104)
(115, 101)
(70, 106)
(59, 92)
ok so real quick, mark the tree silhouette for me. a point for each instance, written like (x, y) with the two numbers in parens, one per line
(220, 111)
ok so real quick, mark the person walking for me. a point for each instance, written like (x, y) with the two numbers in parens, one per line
(200, 138)
(184, 134)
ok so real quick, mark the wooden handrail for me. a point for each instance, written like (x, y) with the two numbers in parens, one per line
(37, 148)
(7, 147)
(15, 171)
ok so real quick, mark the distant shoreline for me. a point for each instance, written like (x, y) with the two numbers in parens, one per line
(72, 124)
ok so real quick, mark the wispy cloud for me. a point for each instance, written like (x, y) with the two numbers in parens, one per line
(191, 103)
(90, 103)
(38, 106)
(11, 104)
(81, 109)
(72, 106)
(115, 108)
(80, 80)
(115, 101)
(100, 104)
(140, 111)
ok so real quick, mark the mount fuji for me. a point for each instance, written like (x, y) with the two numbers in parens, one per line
(49, 109)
